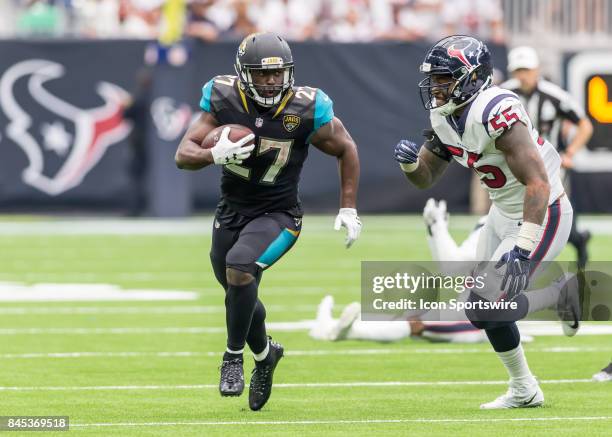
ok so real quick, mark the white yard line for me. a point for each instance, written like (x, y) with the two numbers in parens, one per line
(288, 385)
(529, 328)
(315, 352)
(341, 421)
(202, 226)
(180, 309)
(114, 331)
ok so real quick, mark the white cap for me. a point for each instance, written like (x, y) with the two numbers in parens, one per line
(522, 57)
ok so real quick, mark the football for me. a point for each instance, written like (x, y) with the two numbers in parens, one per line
(237, 132)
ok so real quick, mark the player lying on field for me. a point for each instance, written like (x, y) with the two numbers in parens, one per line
(350, 326)
(487, 129)
(259, 216)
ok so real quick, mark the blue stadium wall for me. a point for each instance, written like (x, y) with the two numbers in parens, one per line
(62, 149)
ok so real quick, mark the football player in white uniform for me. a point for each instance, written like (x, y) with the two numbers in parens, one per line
(486, 128)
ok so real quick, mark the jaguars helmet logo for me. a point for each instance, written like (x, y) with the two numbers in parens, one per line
(291, 122)
(242, 46)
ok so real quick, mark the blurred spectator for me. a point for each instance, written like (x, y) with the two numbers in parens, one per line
(243, 24)
(97, 18)
(411, 20)
(294, 19)
(142, 18)
(350, 21)
(7, 18)
(199, 25)
(41, 18)
(481, 18)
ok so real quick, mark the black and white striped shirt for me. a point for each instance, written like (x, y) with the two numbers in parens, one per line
(547, 107)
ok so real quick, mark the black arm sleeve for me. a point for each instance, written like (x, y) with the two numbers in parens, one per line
(435, 146)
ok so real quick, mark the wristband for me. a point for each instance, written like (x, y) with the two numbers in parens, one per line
(528, 236)
(409, 167)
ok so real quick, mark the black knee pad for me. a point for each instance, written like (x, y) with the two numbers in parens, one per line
(487, 319)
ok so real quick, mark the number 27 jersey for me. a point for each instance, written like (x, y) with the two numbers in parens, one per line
(470, 139)
(267, 181)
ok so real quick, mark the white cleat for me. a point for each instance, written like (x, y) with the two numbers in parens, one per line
(349, 315)
(435, 212)
(568, 307)
(324, 322)
(517, 397)
(604, 375)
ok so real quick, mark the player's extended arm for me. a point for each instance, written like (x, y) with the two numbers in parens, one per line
(527, 166)
(189, 154)
(333, 139)
(425, 166)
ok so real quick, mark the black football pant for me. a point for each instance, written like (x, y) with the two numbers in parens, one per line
(251, 248)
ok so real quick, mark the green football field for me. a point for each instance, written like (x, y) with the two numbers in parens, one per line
(151, 367)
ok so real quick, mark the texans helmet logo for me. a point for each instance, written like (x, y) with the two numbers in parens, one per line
(459, 54)
(62, 142)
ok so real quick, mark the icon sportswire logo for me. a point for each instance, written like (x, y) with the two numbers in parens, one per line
(94, 129)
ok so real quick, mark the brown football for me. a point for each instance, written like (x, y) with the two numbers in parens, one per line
(237, 132)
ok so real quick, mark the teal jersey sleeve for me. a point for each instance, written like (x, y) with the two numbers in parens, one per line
(206, 93)
(324, 110)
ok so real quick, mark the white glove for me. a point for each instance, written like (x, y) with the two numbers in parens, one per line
(348, 218)
(227, 152)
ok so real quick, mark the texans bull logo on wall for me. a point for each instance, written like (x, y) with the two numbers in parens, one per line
(62, 142)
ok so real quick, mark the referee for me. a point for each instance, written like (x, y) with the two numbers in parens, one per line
(549, 107)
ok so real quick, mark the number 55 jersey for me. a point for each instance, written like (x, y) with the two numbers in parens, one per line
(470, 140)
(268, 180)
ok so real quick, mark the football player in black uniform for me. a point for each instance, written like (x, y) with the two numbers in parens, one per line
(259, 216)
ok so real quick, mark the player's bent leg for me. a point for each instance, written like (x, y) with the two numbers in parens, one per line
(262, 242)
(240, 299)
(324, 321)
(561, 294)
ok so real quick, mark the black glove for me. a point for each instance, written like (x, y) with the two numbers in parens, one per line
(518, 267)
(407, 154)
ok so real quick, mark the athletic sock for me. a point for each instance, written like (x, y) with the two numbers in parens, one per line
(240, 301)
(263, 354)
(516, 364)
(378, 331)
(232, 355)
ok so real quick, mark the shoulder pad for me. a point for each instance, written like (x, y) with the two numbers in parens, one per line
(324, 109)
(498, 109)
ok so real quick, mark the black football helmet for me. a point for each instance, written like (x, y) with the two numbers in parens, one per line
(264, 51)
(467, 63)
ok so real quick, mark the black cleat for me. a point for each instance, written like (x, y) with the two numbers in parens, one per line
(583, 253)
(261, 378)
(232, 377)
